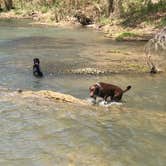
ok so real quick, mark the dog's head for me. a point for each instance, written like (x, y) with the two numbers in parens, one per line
(36, 61)
(94, 90)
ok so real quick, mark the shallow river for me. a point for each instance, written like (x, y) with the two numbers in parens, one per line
(44, 133)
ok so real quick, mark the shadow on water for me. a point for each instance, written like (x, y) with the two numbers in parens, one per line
(36, 131)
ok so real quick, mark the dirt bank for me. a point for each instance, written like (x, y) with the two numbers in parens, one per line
(113, 30)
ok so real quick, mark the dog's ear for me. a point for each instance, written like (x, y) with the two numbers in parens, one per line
(97, 90)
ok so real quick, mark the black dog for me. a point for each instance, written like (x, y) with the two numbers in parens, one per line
(36, 68)
(105, 90)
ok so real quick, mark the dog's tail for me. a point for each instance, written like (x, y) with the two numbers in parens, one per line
(127, 88)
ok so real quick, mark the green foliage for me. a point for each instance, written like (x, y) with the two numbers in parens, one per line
(61, 8)
(134, 11)
(163, 22)
(105, 21)
(44, 9)
(125, 35)
(157, 7)
(18, 11)
(139, 12)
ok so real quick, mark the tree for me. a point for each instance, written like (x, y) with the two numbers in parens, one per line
(0, 5)
(115, 8)
(110, 7)
(8, 4)
(155, 46)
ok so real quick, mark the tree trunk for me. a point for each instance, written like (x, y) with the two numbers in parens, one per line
(118, 9)
(0, 5)
(110, 7)
(8, 4)
(115, 8)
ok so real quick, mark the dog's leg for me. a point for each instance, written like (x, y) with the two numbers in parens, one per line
(94, 101)
(117, 97)
(105, 100)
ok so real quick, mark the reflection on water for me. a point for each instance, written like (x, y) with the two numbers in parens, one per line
(38, 132)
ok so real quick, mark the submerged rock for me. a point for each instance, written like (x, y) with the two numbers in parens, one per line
(93, 71)
(53, 96)
(18, 95)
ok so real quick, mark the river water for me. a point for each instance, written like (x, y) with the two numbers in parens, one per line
(39, 132)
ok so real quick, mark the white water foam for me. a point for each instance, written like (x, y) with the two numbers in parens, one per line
(103, 103)
(109, 104)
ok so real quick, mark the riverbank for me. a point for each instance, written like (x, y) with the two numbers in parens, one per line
(111, 29)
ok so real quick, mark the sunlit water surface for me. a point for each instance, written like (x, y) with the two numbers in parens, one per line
(40, 132)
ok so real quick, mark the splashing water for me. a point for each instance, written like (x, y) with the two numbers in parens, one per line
(102, 103)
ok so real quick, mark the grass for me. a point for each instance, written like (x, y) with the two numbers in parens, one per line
(104, 21)
(125, 35)
(44, 9)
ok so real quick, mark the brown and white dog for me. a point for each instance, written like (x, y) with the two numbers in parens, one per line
(105, 90)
